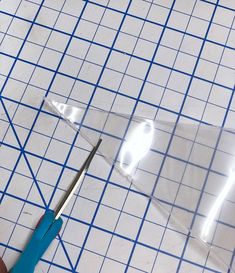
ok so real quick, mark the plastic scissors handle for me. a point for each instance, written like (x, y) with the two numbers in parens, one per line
(42, 237)
(49, 225)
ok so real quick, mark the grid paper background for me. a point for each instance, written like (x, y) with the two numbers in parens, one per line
(172, 60)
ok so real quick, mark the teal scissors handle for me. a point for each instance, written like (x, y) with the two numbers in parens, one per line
(42, 237)
(50, 225)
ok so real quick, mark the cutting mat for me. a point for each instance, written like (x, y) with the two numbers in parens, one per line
(167, 59)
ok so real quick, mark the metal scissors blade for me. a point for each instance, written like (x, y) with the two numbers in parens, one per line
(76, 182)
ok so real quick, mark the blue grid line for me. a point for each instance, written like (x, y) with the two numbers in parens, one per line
(22, 151)
(73, 144)
(5, 110)
(131, 55)
(191, 149)
(21, 48)
(171, 138)
(232, 260)
(101, 73)
(15, 131)
(117, 138)
(149, 21)
(137, 192)
(231, 96)
(4, 34)
(24, 155)
(17, 138)
(35, 122)
(107, 206)
(124, 202)
(66, 166)
(110, 90)
(105, 46)
(41, 104)
(80, 38)
(173, 64)
(76, 78)
(223, 124)
(156, 151)
(51, 263)
(143, 19)
(69, 270)
(12, 174)
(103, 180)
(125, 95)
(114, 234)
(50, 85)
(128, 54)
(199, 201)
(149, 202)
(173, 205)
(211, 161)
(221, 6)
(196, 211)
(225, 117)
(131, 190)
(128, 189)
(120, 51)
(75, 138)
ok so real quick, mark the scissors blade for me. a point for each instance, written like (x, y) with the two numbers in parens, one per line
(76, 182)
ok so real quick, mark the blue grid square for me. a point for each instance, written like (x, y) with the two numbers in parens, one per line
(65, 22)
(26, 9)
(47, 17)
(90, 262)
(119, 249)
(179, 20)
(31, 52)
(11, 45)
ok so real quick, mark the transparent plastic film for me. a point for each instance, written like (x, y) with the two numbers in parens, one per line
(188, 170)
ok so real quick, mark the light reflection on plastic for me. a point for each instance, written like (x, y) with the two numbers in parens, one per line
(136, 146)
(216, 206)
(71, 113)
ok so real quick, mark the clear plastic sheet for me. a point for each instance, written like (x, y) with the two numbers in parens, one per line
(188, 170)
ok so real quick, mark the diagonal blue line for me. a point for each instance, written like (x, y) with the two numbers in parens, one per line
(223, 124)
(121, 12)
(112, 91)
(211, 161)
(142, 87)
(8, 117)
(119, 139)
(220, 6)
(115, 234)
(21, 152)
(131, 55)
(102, 71)
(31, 130)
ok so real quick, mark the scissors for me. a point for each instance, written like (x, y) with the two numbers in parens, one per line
(50, 224)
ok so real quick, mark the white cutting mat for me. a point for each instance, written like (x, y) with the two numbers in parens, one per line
(163, 58)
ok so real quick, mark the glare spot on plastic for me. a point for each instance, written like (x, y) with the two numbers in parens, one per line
(137, 146)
